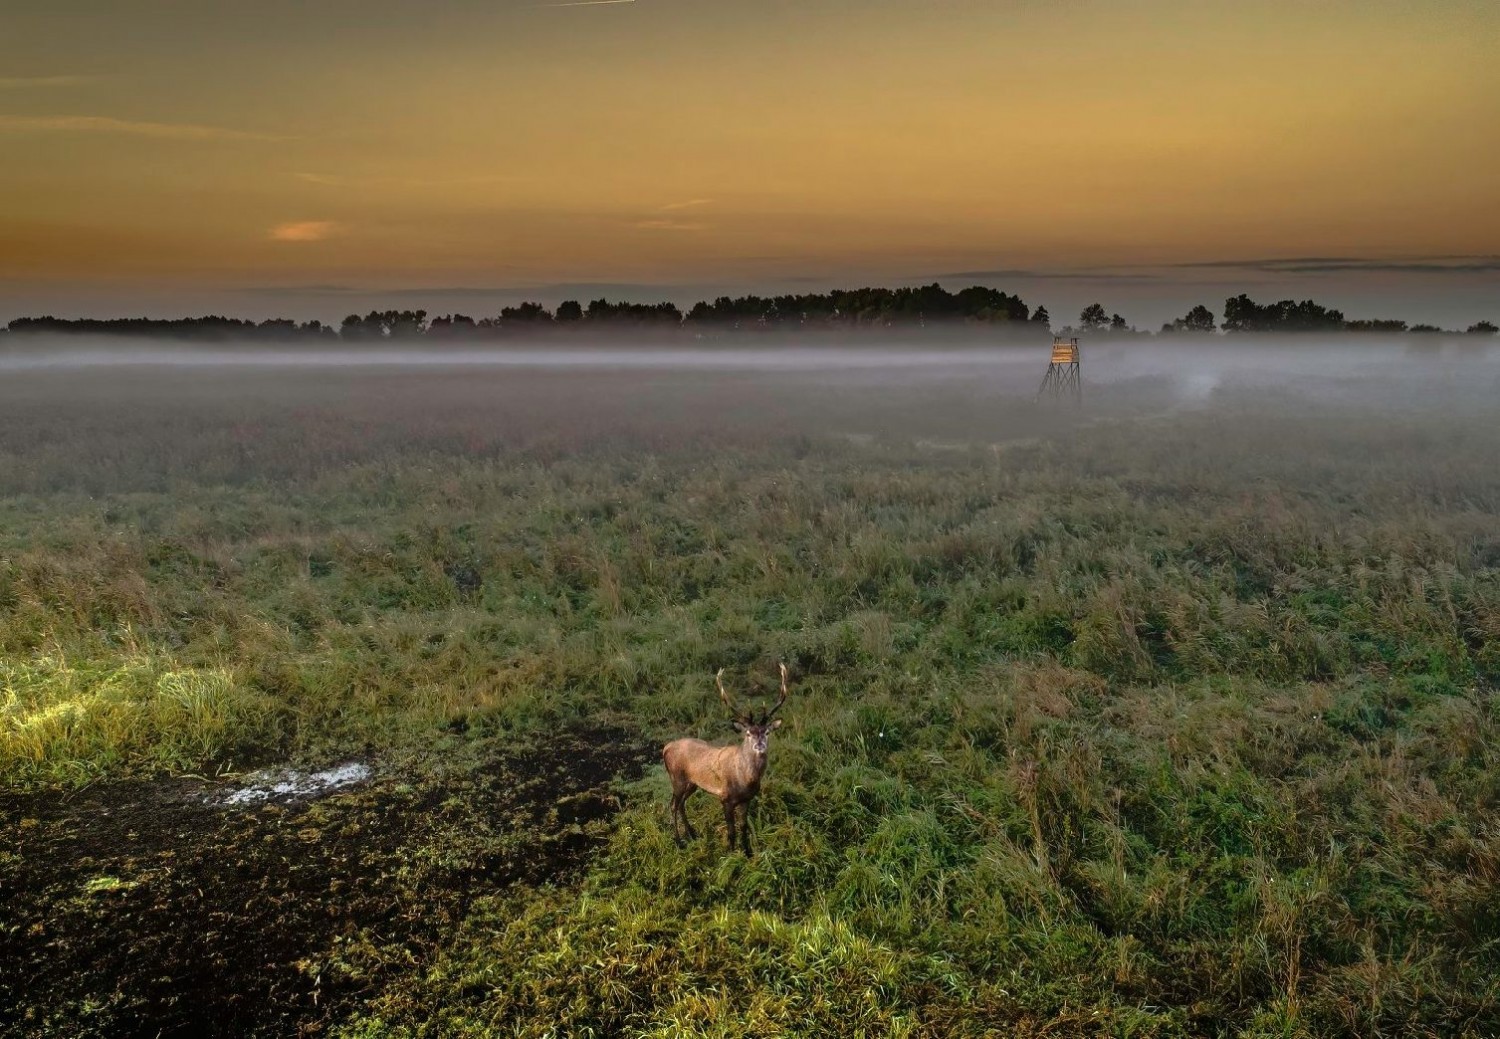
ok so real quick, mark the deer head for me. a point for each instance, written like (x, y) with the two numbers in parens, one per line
(756, 731)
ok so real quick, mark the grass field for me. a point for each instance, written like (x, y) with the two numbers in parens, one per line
(1172, 717)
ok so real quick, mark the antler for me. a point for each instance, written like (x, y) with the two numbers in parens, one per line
(724, 695)
(781, 701)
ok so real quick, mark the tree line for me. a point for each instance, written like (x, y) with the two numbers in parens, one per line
(867, 310)
(1242, 314)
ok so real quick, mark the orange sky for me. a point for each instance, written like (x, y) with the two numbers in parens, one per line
(284, 156)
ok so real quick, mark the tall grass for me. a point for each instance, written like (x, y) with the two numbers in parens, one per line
(1170, 727)
(63, 721)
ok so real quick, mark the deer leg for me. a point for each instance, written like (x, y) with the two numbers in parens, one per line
(679, 811)
(729, 822)
(745, 830)
(676, 813)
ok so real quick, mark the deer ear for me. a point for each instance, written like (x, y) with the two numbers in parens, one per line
(737, 725)
(775, 724)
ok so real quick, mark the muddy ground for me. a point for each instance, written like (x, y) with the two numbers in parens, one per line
(153, 908)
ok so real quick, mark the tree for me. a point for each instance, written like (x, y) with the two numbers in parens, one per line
(382, 324)
(1482, 328)
(1117, 324)
(1240, 314)
(527, 312)
(454, 326)
(1243, 314)
(1093, 317)
(978, 303)
(633, 314)
(406, 324)
(570, 310)
(1041, 317)
(355, 327)
(1200, 319)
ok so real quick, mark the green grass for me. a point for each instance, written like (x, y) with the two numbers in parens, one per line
(1150, 728)
(69, 720)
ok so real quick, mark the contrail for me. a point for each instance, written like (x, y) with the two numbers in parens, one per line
(587, 3)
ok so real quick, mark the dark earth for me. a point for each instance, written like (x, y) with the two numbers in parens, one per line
(149, 908)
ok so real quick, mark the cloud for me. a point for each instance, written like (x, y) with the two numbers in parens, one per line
(324, 181)
(1021, 272)
(316, 291)
(1354, 265)
(668, 225)
(1297, 265)
(1259, 263)
(303, 290)
(302, 231)
(691, 203)
(46, 81)
(108, 124)
(639, 292)
(327, 180)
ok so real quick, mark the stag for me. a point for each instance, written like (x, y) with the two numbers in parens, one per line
(732, 773)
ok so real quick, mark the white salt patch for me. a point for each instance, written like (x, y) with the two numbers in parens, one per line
(298, 785)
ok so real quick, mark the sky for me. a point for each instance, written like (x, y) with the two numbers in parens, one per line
(308, 159)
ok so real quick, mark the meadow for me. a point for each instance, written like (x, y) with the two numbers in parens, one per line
(1170, 716)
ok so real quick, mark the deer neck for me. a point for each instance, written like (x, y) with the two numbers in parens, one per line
(749, 764)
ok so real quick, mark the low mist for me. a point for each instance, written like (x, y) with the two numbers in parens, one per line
(112, 415)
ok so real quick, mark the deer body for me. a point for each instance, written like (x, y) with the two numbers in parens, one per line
(722, 771)
(732, 773)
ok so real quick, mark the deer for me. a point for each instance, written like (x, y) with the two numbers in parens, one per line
(732, 773)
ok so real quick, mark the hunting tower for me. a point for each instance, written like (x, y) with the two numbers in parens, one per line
(1064, 376)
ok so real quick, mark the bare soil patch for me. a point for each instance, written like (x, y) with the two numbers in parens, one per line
(154, 908)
